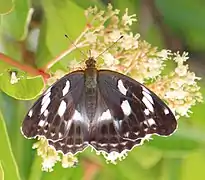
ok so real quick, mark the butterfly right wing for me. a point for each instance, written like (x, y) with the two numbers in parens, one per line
(56, 115)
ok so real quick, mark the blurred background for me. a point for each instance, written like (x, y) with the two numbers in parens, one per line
(178, 25)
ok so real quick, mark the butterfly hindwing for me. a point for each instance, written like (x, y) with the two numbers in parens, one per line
(136, 111)
(102, 133)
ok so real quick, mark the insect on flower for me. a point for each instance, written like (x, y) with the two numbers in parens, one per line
(103, 109)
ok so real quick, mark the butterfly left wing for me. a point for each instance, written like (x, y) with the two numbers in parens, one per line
(136, 111)
(56, 115)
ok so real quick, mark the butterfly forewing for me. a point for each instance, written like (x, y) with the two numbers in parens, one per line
(136, 111)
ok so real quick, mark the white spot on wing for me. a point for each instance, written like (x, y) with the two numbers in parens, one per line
(126, 108)
(68, 124)
(102, 144)
(166, 111)
(45, 113)
(60, 135)
(146, 111)
(105, 116)
(66, 88)
(46, 96)
(114, 144)
(117, 123)
(121, 87)
(148, 96)
(77, 116)
(145, 89)
(148, 104)
(62, 108)
(149, 122)
(30, 113)
(127, 134)
(45, 105)
(41, 123)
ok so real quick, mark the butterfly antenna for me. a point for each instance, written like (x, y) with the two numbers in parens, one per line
(75, 45)
(109, 46)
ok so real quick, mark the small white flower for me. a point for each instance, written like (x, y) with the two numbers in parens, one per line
(128, 20)
(129, 41)
(114, 35)
(113, 156)
(109, 60)
(49, 162)
(181, 70)
(90, 37)
(69, 161)
(164, 54)
(180, 59)
(184, 109)
(58, 74)
(177, 94)
(48, 154)
(190, 78)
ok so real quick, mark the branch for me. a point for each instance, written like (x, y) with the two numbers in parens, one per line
(23, 67)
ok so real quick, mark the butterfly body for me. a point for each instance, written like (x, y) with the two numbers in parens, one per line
(90, 92)
(100, 108)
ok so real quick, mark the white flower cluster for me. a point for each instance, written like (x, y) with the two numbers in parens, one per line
(129, 55)
(179, 88)
(138, 59)
(51, 157)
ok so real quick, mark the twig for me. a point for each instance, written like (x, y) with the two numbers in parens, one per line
(23, 67)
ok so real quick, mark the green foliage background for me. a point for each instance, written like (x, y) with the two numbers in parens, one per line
(179, 157)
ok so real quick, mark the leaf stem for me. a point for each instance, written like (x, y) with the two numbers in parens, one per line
(23, 67)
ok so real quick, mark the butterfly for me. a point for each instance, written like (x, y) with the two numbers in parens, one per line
(100, 108)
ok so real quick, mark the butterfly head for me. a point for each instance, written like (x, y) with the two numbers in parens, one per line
(90, 63)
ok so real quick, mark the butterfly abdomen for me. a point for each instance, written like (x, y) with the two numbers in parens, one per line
(91, 92)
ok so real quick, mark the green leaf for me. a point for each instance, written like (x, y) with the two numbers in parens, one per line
(43, 55)
(61, 17)
(193, 166)
(6, 155)
(6, 6)
(146, 156)
(61, 173)
(1, 172)
(86, 4)
(184, 140)
(127, 169)
(14, 24)
(24, 89)
(36, 171)
(3, 66)
(171, 169)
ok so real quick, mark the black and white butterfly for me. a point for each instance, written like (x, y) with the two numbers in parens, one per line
(100, 108)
